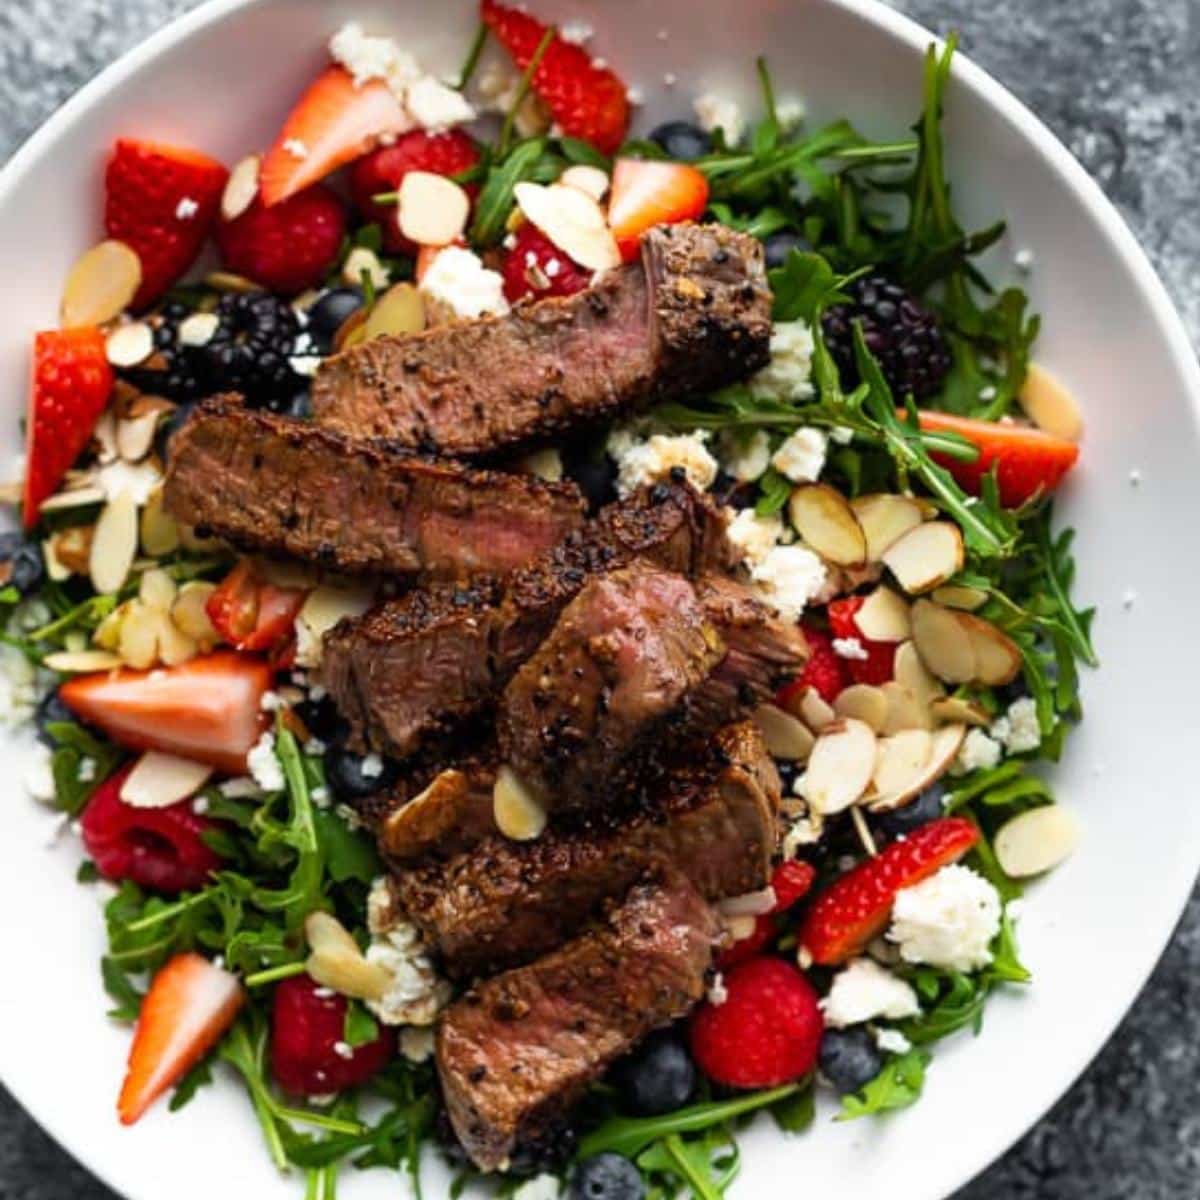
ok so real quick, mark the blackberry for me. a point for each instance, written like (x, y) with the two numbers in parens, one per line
(902, 334)
(250, 350)
(175, 371)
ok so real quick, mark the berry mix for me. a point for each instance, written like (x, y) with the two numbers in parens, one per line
(887, 479)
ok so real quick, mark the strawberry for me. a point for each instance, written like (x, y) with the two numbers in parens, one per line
(750, 946)
(309, 1054)
(190, 1005)
(855, 908)
(288, 247)
(1027, 461)
(449, 153)
(535, 267)
(825, 671)
(766, 1033)
(68, 392)
(208, 709)
(161, 849)
(251, 613)
(333, 123)
(161, 201)
(880, 664)
(791, 883)
(587, 101)
(648, 192)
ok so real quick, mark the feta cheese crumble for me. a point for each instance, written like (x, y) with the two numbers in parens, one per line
(801, 458)
(371, 766)
(789, 578)
(863, 991)
(948, 920)
(788, 376)
(416, 1043)
(892, 1041)
(717, 992)
(1018, 729)
(650, 460)
(745, 458)
(458, 279)
(979, 752)
(367, 57)
(850, 648)
(186, 209)
(435, 106)
(264, 764)
(753, 535)
(716, 112)
(417, 993)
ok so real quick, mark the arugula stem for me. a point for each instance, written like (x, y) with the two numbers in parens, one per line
(171, 911)
(701, 1186)
(472, 61)
(510, 117)
(1058, 589)
(274, 974)
(768, 89)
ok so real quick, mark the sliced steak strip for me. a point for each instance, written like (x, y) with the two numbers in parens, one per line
(499, 903)
(417, 667)
(277, 485)
(516, 1053)
(694, 314)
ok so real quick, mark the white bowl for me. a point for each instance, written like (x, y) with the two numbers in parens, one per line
(222, 78)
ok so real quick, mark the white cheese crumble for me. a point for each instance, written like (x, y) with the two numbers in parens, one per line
(788, 376)
(371, 766)
(789, 578)
(458, 279)
(807, 831)
(38, 777)
(753, 535)
(864, 991)
(540, 1187)
(948, 920)
(979, 752)
(186, 209)
(416, 1043)
(717, 992)
(790, 111)
(716, 112)
(367, 57)
(18, 687)
(238, 789)
(892, 1041)
(1018, 729)
(417, 993)
(801, 458)
(435, 106)
(264, 764)
(745, 458)
(305, 364)
(850, 648)
(650, 460)
(343, 1050)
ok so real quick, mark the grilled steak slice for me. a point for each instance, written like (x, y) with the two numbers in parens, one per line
(694, 314)
(516, 1052)
(500, 903)
(417, 667)
(639, 660)
(272, 484)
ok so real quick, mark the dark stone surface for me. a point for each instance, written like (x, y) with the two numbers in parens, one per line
(1119, 82)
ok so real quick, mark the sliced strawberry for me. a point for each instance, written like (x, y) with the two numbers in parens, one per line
(69, 389)
(880, 664)
(161, 201)
(251, 613)
(190, 1005)
(587, 100)
(825, 671)
(534, 267)
(333, 123)
(383, 170)
(649, 192)
(1027, 461)
(208, 709)
(855, 908)
(791, 882)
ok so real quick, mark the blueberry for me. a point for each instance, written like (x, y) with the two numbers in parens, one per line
(51, 711)
(780, 244)
(607, 1176)
(329, 314)
(682, 140)
(593, 471)
(928, 806)
(657, 1078)
(849, 1058)
(349, 781)
(21, 564)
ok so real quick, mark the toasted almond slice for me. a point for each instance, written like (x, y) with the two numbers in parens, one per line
(1037, 840)
(174, 646)
(101, 285)
(227, 281)
(591, 181)
(943, 749)
(157, 590)
(1049, 405)
(960, 711)
(114, 544)
(822, 516)
(884, 518)
(189, 613)
(241, 187)
(905, 711)
(954, 595)
(573, 221)
(997, 658)
(863, 702)
(431, 210)
(323, 608)
(130, 344)
(198, 329)
(138, 642)
(883, 617)
(107, 635)
(56, 569)
(901, 758)
(159, 531)
(815, 712)
(943, 643)
(786, 736)
(519, 811)
(362, 260)
(81, 662)
(399, 310)
(335, 961)
(910, 673)
(76, 498)
(160, 780)
(135, 436)
(926, 557)
(840, 766)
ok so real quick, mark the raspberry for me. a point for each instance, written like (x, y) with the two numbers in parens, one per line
(825, 671)
(157, 848)
(308, 1026)
(767, 1032)
(537, 268)
(880, 664)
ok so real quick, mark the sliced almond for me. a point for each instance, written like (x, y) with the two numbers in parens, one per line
(787, 737)
(591, 181)
(130, 344)
(943, 749)
(1049, 405)
(159, 530)
(160, 780)
(926, 557)
(954, 595)
(883, 617)
(56, 569)
(335, 961)
(174, 646)
(400, 310)
(1037, 840)
(431, 210)
(114, 544)
(901, 758)
(884, 518)
(840, 766)
(323, 608)
(749, 904)
(910, 673)
(241, 187)
(81, 662)
(864, 703)
(815, 711)
(157, 590)
(519, 811)
(822, 516)
(138, 641)
(573, 221)
(101, 285)
(227, 281)
(135, 436)
(75, 498)
(107, 635)
(189, 612)
(997, 657)
(905, 710)
(943, 643)
(363, 261)
(198, 329)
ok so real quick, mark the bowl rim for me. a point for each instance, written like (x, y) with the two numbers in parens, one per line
(997, 97)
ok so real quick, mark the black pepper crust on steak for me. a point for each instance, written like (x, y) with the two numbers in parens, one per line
(695, 312)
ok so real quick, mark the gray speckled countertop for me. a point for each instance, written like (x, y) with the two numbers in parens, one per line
(1119, 80)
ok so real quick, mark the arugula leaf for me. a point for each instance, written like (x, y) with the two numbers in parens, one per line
(774, 491)
(360, 1028)
(898, 1085)
(118, 986)
(805, 286)
(349, 854)
(496, 198)
(795, 1113)
(185, 1090)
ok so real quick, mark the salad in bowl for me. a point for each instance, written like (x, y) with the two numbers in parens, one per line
(547, 634)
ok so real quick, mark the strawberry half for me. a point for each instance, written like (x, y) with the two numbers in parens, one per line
(333, 123)
(190, 1005)
(68, 392)
(161, 201)
(825, 671)
(586, 100)
(855, 908)
(646, 193)
(208, 709)
(534, 267)
(880, 664)
(252, 614)
(1027, 461)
